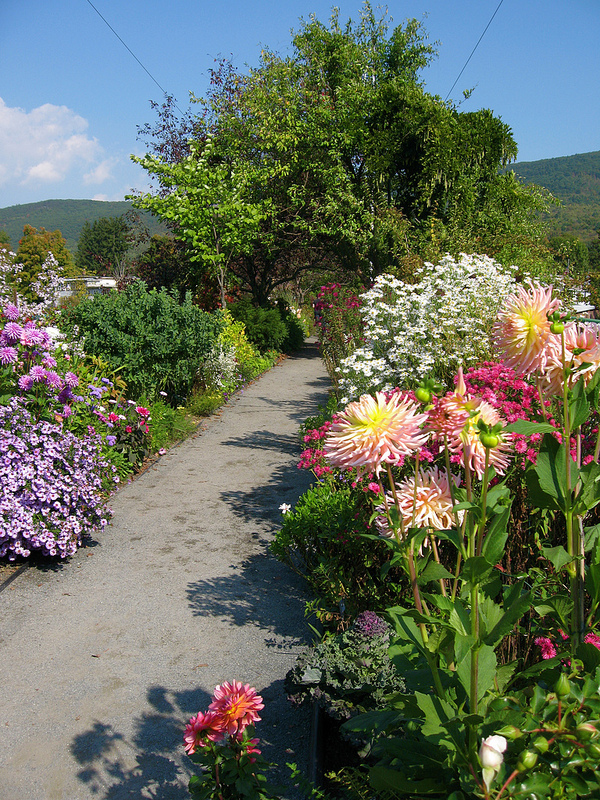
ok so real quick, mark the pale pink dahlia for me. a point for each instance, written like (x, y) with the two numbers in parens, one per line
(373, 431)
(427, 506)
(202, 728)
(468, 447)
(522, 330)
(237, 705)
(582, 347)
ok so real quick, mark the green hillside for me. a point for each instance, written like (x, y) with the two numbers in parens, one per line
(67, 216)
(575, 181)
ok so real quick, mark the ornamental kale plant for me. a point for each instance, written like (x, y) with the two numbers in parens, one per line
(53, 485)
(347, 673)
(428, 328)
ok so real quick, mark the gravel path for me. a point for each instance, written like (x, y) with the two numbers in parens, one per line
(104, 659)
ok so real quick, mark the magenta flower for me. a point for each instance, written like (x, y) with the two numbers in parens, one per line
(12, 332)
(202, 728)
(37, 373)
(547, 647)
(237, 706)
(11, 312)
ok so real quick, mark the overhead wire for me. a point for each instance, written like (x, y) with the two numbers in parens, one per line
(147, 71)
(473, 51)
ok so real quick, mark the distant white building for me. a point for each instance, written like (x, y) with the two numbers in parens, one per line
(93, 285)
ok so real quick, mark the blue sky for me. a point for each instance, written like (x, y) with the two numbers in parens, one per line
(71, 95)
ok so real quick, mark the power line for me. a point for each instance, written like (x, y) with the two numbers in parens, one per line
(475, 48)
(132, 53)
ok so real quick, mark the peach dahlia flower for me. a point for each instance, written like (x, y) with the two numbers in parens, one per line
(426, 505)
(582, 346)
(522, 330)
(373, 431)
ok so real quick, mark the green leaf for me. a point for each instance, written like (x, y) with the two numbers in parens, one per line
(383, 779)
(589, 496)
(434, 572)
(590, 655)
(526, 428)
(558, 606)
(487, 665)
(579, 407)
(475, 569)
(557, 556)
(547, 479)
(510, 617)
(495, 538)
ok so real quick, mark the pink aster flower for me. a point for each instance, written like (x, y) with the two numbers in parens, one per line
(71, 379)
(592, 638)
(202, 728)
(37, 373)
(237, 705)
(426, 505)
(373, 431)
(12, 332)
(143, 412)
(11, 312)
(522, 330)
(547, 647)
(8, 355)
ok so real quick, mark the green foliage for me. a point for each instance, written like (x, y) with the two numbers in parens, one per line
(264, 327)
(33, 250)
(349, 672)
(323, 539)
(102, 246)
(166, 263)
(155, 342)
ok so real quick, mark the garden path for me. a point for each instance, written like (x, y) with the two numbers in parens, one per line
(103, 659)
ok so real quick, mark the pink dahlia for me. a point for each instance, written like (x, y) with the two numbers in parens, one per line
(373, 431)
(582, 353)
(468, 447)
(522, 330)
(202, 728)
(426, 505)
(237, 705)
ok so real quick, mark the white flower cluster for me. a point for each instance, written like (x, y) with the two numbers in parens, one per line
(47, 285)
(220, 368)
(426, 328)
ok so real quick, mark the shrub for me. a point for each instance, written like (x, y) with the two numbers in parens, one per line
(323, 539)
(264, 326)
(337, 314)
(53, 485)
(158, 344)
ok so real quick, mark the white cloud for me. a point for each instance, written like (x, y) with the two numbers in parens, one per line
(46, 146)
(101, 173)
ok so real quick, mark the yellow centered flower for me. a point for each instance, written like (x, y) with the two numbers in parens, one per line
(522, 331)
(373, 431)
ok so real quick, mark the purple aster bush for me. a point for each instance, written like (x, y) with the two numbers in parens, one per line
(53, 485)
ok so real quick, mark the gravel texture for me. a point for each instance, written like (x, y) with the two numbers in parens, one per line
(104, 658)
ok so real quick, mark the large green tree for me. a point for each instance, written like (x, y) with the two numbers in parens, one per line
(102, 246)
(336, 158)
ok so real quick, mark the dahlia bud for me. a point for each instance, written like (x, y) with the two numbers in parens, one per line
(562, 687)
(527, 760)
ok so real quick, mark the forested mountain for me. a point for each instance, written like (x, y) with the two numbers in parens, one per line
(575, 181)
(67, 216)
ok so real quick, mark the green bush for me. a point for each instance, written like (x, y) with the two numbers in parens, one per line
(325, 538)
(156, 343)
(264, 327)
(295, 331)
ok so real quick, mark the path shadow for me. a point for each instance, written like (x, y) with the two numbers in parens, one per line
(147, 764)
(263, 592)
(151, 762)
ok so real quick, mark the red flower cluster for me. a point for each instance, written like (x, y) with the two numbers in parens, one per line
(233, 708)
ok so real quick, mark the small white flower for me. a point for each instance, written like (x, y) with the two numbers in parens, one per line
(285, 508)
(491, 756)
